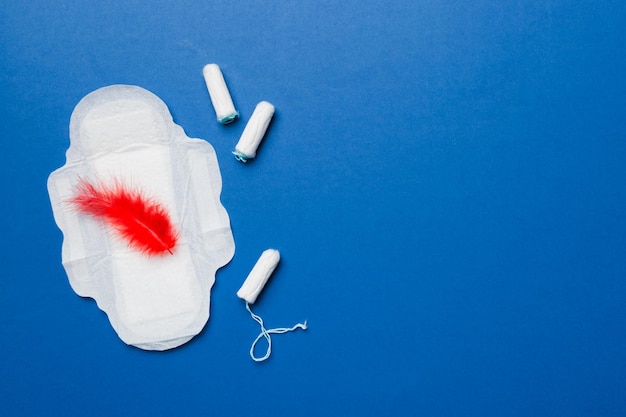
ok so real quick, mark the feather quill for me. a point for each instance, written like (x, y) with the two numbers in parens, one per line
(144, 223)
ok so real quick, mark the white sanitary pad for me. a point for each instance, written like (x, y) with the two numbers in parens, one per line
(126, 134)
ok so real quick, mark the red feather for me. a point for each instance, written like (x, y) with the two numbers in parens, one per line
(143, 222)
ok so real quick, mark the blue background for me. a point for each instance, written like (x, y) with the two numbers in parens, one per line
(445, 181)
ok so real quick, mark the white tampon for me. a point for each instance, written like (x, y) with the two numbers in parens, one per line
(253, 285)
(220, 97)
(249, 292)
(254, 131)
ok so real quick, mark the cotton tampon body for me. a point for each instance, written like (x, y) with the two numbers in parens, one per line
(254, 131)
(220, 96)
(257, 278)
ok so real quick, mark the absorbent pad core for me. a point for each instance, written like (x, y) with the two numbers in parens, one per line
(124, 137)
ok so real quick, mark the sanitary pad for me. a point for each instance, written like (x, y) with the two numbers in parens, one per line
(124, 136)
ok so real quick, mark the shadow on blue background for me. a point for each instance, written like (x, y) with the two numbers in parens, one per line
(444, 179)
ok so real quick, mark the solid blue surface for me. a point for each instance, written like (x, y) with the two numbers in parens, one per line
(445, 181)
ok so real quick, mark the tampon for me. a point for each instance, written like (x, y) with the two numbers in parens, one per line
(261, 272)
(220, 97)
(250, 290)
(254, 131)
